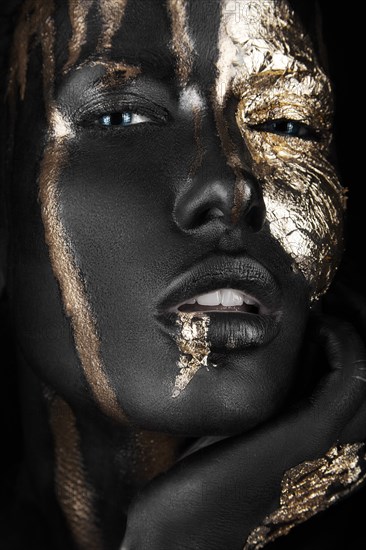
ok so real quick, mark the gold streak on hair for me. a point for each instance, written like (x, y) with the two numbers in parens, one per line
(37, 19)
(193, 346)
(112, 12)
(78, 13)
(310, 488)
(182, 44)
(73, 491)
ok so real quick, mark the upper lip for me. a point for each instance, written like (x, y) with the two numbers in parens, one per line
(242, 273)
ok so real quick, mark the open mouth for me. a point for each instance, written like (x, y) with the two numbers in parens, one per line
(227, 300)
(240, 297)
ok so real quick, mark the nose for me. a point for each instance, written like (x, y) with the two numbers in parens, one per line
(232, 200)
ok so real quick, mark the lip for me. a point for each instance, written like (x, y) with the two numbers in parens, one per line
(229, 330)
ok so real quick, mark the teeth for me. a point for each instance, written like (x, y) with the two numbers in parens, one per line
(228, 297)
(209, 299)
(231, 298)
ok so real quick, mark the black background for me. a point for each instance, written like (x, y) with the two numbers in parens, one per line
(343, 526)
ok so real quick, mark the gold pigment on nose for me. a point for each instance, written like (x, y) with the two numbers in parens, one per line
(193, 346)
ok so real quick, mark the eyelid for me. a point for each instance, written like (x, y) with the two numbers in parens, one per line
(101, 104)
(271, 105)
(314, 134)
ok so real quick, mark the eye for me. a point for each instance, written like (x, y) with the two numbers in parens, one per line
(291, 128)
(125, 118)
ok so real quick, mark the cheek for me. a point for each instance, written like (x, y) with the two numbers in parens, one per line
(304, 203)
(305, 214)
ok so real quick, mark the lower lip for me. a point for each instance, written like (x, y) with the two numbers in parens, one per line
(230, 330)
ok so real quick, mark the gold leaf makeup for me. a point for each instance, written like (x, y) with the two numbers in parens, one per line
(193, 346)
(271, 68)
(37, 20)
(74, 492)
(310, 488)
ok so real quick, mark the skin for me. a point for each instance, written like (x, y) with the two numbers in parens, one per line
(136, 207)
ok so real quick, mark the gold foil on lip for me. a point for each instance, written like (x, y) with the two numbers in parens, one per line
(193, 346)
(268, 63)
(310, 488)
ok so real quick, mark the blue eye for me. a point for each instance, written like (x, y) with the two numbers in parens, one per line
(290, 128)
(125, 118)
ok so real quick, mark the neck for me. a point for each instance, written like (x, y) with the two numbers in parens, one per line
(84, 468)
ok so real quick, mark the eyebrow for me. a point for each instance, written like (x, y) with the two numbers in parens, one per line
(160, 65)
(117, 73)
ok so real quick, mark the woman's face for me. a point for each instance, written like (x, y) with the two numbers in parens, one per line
(182, 151)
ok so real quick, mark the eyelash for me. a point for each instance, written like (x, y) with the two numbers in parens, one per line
(111, 112)
(290, 128)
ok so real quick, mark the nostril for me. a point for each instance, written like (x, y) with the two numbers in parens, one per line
(255, 217)
(204, 216)
(203, 203)
(213, 214)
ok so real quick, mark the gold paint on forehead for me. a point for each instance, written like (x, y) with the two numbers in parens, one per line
(117, 73)
(193, 346)
(112, 12)
(268, 63)
(182, 43)
(78, 13)
(310, 488)
(74, 493)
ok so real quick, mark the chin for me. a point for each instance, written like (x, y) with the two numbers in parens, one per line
(236, 391)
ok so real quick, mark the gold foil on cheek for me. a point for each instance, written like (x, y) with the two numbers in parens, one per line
(310, 488)
(272, 70)
(193, 346)
(304, 201)
(73, 491)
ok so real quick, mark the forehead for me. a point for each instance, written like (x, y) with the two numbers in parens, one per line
(187, 34)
